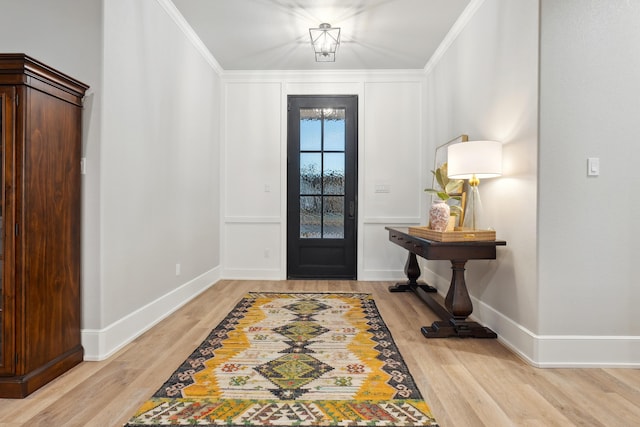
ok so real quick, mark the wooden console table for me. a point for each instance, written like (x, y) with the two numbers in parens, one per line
(458, 304)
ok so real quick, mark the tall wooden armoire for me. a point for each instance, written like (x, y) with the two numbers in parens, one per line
(40, 154)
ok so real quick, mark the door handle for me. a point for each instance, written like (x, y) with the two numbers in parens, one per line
(352, 209)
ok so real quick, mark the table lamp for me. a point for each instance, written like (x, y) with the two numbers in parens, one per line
(473, 160)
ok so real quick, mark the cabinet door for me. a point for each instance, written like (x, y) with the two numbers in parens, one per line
(7, 288)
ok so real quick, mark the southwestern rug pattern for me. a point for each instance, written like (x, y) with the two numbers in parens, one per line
(294, 359)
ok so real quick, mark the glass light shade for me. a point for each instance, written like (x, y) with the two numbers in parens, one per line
(482, 159)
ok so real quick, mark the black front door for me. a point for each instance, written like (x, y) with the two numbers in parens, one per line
(322, 183)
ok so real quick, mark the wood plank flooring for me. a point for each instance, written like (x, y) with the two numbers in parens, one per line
(467, 382)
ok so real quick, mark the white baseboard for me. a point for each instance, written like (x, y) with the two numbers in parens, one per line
(99, 344)
(551, 351)
(560, 351)
(567, 351)
(265, 274)
(543, 351)
(249, 274)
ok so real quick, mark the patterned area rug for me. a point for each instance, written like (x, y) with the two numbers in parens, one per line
(303, 359)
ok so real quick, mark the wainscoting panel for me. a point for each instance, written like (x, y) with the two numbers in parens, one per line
(253, 249)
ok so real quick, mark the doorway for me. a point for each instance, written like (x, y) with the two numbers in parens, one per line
(322, 142)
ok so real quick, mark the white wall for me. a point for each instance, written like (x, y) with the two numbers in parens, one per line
(159, 173)
(485, 85)
(252, 166)
(73, 45)
(562, 292)
(151, 140)
(392, 158)
(589, 292)
(255, 150)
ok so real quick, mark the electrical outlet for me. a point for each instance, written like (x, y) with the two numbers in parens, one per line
(177, 269)
(382, 188)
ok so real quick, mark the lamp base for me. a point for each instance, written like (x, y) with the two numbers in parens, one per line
(473, 215)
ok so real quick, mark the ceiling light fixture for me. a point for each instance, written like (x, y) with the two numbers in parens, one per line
(325, 41)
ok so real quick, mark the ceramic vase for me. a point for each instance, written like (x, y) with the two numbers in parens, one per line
(439, 215)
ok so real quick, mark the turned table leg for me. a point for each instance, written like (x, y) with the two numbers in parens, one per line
(458, 304)
(412, 270)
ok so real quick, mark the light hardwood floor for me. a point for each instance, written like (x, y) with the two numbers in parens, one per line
(467, 382)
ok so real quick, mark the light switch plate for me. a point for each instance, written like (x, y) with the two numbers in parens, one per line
(593, 166)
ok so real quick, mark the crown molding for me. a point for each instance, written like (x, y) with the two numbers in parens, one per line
(453, 34)
(182, 23)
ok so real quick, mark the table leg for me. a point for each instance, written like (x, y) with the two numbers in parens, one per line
(458, 304)
(412, 270)
(458, 301)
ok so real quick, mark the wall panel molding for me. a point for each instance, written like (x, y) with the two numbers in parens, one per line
(253, 220)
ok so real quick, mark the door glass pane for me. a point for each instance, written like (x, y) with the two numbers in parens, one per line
(334, 125)
(310, 179)
(333, 173)
(310, 217)
(333, 217)
(310, 129)
(322, 173)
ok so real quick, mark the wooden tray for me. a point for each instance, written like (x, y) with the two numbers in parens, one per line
(453, 236)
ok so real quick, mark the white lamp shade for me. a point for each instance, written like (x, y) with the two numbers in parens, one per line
(480, 158)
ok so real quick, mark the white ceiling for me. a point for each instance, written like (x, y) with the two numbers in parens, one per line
(274, 34)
